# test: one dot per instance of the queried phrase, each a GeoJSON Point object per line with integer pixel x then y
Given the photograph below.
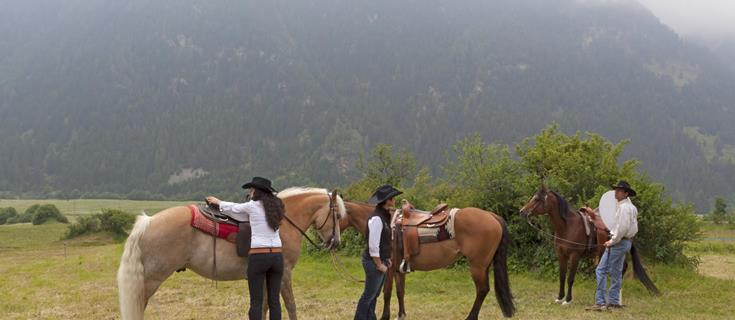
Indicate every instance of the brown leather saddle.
{"type": "Point", "coordinates": [242, 239]}
{"type": "Point", "coordinates": [407, 225]}
{"type": "Point", "coordinates": [598, 236]}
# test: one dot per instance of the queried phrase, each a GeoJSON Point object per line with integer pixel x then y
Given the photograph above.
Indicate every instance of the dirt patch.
{"type": "Point", "coordinates": [718, 266]}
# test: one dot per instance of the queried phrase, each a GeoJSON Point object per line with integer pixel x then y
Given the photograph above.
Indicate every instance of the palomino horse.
{"type": "Point", "coordinates": [159, 245]}
{"type": "Point", "coordinates": [481, 236]}
{"type": "Point", "coordinates": [571, 241]}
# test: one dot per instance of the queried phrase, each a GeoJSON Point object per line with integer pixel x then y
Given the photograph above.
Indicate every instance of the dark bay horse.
{"type": "Point", "coordinates": [571, 240]}
{"type": "Point", "coordinates": [481, 236]}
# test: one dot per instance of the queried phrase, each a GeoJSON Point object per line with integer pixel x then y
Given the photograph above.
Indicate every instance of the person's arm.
{"type": "Point", "coordinates": [375, 225]}
{"type": "Point", "coordinates": [621, 226]}
{"type": "Point", "coordinates": [240, 211]}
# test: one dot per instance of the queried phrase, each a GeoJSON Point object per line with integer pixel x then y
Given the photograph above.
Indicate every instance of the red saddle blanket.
{"type": "Point", "coordinates": [221, 230]}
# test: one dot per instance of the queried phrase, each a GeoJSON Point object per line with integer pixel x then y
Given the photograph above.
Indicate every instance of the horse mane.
{"type": "Point", "coordinates": [563, 206]}
{"type": "Point", "coordinates": [298, 191]}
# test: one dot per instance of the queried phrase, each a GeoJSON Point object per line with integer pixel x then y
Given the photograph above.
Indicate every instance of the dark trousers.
{"type": "Point", "coordinates": [268, 268]}
{"type": "Point", "coordinates": [373, 283]}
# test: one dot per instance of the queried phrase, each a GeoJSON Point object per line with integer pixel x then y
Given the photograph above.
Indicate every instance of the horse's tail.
{"type": "Point", "coordinates": [500, 271]}
{"type": "Point", "coordinates": [640, 272]}
{"type": "Point", "coordinates": [130, 279]}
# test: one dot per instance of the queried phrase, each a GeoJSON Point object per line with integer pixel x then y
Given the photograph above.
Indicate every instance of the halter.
{"type": "Point", "coordinates": [332, 213]}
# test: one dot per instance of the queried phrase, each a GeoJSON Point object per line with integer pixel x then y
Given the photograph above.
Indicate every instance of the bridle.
{"type": "Point", "coordinates": [332, 214]}
{"type": "Point", "coordinates": [543, 232]}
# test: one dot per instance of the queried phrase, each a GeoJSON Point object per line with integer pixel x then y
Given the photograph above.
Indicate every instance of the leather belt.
{"type": "Point", "coordinates": [265, 250]}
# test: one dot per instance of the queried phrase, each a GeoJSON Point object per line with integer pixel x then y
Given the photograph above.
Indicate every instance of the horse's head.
{"type": "Point", "coordinates": [323, 209]}
{"type": "Point", "coordinates": [538, 204]}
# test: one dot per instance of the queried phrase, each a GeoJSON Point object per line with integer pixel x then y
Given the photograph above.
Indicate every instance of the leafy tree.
{"type": "Point", "coordinates": [719, 213]}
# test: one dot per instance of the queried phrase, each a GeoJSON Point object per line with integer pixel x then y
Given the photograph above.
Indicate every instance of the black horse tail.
{"type": "Point", "coordinates": [640, 272]}
{"type": "Point", "coordinates": [500, 270]}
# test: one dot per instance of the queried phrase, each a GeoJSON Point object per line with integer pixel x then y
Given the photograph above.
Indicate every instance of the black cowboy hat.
{"type": "Point", "coordinates": [259, 183]}
{"type": "Point", "coordinates": [625, 186]}
{"type": "Point", "coordinates": [383, 193]}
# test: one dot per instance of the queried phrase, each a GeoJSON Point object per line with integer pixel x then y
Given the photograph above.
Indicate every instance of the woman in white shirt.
{"type": "Point", "coordinates": [265, 259]}
{"type": "Point", "coordinates": [376, 257]}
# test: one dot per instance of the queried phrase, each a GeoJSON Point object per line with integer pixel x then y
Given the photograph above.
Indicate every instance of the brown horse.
{"type": "Point", "coordinates": [571, 240]}
{"type": "Point", "coordinates": [481, 236]}
{"type": "Point", "coordinates": [159, 245]}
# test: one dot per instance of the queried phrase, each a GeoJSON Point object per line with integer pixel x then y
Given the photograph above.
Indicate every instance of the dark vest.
{"type": "Point", "coordinates": [385, 238]}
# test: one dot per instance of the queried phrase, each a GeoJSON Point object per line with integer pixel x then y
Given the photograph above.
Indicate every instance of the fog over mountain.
{"type": "Point", "coordinates": [186, 97]}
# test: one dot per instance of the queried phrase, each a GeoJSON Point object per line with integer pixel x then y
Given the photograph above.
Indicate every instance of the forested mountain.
{"type": "Point", "coordinates": [188, 97]}
{"type": "Point", "coordinates": [723, 46]}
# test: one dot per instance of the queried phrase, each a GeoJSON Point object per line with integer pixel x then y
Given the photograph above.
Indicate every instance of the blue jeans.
{"type": "Point", "coordinates": [373, 283]}
{"type": "Point", "coordinates": [611, 264]}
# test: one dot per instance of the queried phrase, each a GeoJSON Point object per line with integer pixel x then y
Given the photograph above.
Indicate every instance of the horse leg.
{"type": "Point", "coordinates": [287, 294]}
{"type": "Point", "coordinates": [387, 291]}
{"type": "Point", "coordinates": [482, 287]}
{"type": "Point", "coordinates": [400, 291]}
{"type": "Point", "coordinates": [562, 278]}
{"type": "Point", "coordinates": [570, 279]}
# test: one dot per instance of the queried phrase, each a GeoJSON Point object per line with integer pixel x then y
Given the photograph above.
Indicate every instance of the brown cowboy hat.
{"type": "Point", "coordinates": [259, 183]}
{"type": "Point", "coordinates": [624, 185]}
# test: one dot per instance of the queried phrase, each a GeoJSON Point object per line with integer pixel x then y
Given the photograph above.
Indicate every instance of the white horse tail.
{"type": "Point", "coordinates": [130, 275]}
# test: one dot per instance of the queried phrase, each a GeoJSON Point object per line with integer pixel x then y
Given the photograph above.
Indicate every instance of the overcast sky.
{"type": "Point", "coordinates": [695, 17]}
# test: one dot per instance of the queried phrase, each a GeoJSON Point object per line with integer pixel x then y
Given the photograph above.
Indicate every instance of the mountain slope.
{"type": "Point", "coordinates": [124, 96]}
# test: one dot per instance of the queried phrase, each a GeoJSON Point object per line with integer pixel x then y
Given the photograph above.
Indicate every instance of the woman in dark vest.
{"type": "Point", "coordinates": [265, 260]}
{"type": "Point", "coordinates": [376, 257]}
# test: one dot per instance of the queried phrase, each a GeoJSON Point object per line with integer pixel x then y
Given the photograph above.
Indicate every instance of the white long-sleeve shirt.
{"type": "Point", "coordinates": [375, 225]}
{"type": "Point", "coordinates": [626, 216]}
{"type": "Point", "coordinates": [262, 234]}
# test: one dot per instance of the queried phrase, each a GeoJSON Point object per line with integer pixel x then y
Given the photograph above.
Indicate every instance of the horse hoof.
{"type": "Point", "coordinates": [566, 303]}
{"type": "Point", "coordinates": [559, 300]}
{"type": "Point", "coordinates": [402, 317]}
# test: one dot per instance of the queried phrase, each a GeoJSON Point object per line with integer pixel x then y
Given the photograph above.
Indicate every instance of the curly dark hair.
{"type": "Point", "coordinates": [273, 207]}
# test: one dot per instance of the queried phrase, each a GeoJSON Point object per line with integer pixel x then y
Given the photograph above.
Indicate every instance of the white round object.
{"type": "Point", "coordinates": [607, 208]}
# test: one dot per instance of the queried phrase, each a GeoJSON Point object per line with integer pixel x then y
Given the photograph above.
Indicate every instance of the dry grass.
{"type": "Point", "coordinates": [40, 281]}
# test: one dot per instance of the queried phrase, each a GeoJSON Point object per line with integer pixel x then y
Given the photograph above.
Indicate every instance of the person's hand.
{"type": "Point", "coordinates": [212, 200]}
{"type": "Point", "coordinates": [382, 268]}
{"type": "Point", "coordinates": [390, 263]}
{"type": "Point", "coordinates": [608, 244]}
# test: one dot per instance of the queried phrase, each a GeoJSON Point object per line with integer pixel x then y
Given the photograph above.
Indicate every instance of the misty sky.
{"type": "Point", "coordinates": [696, 17]}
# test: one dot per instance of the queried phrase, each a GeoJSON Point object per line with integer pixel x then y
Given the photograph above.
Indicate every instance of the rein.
{"type": "Point", "coordinates": [332, 213]}
{"type": "Point", "coordinates": [343, 271]}
{"type": "Point", "coordinates": [552, 236]}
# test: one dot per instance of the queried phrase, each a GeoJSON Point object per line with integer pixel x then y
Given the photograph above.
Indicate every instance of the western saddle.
{"type": "Point", "coordinates": [407, 225]}
{"type": "Point", "coordinates": [597, 236]}
{"type": "Point", "coordinates": [242, 239]}
{"type": "Point", "coordinates": [211, 212]}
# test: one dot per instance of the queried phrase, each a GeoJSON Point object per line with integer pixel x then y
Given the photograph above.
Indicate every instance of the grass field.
{"type": "Point", "coordinates": [75, 208]}
{"type": "Point", "coordinates": [43, 277]}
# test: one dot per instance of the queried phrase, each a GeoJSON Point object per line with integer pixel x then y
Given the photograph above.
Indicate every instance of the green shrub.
{"type": "Point", "coordinates": [43, 213]}
{"type": "Point", "coordinates": [113, 221]}
{"type": "Point", "coordinates": [493, 177]}
{"type": "Point", "coordinates": [7, 213]}
{"type": "Point", "coordinates": [25, 217]}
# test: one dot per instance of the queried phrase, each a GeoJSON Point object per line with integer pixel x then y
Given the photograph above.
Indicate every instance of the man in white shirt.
{"type": "Point", "coordinates": [613, 260]}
